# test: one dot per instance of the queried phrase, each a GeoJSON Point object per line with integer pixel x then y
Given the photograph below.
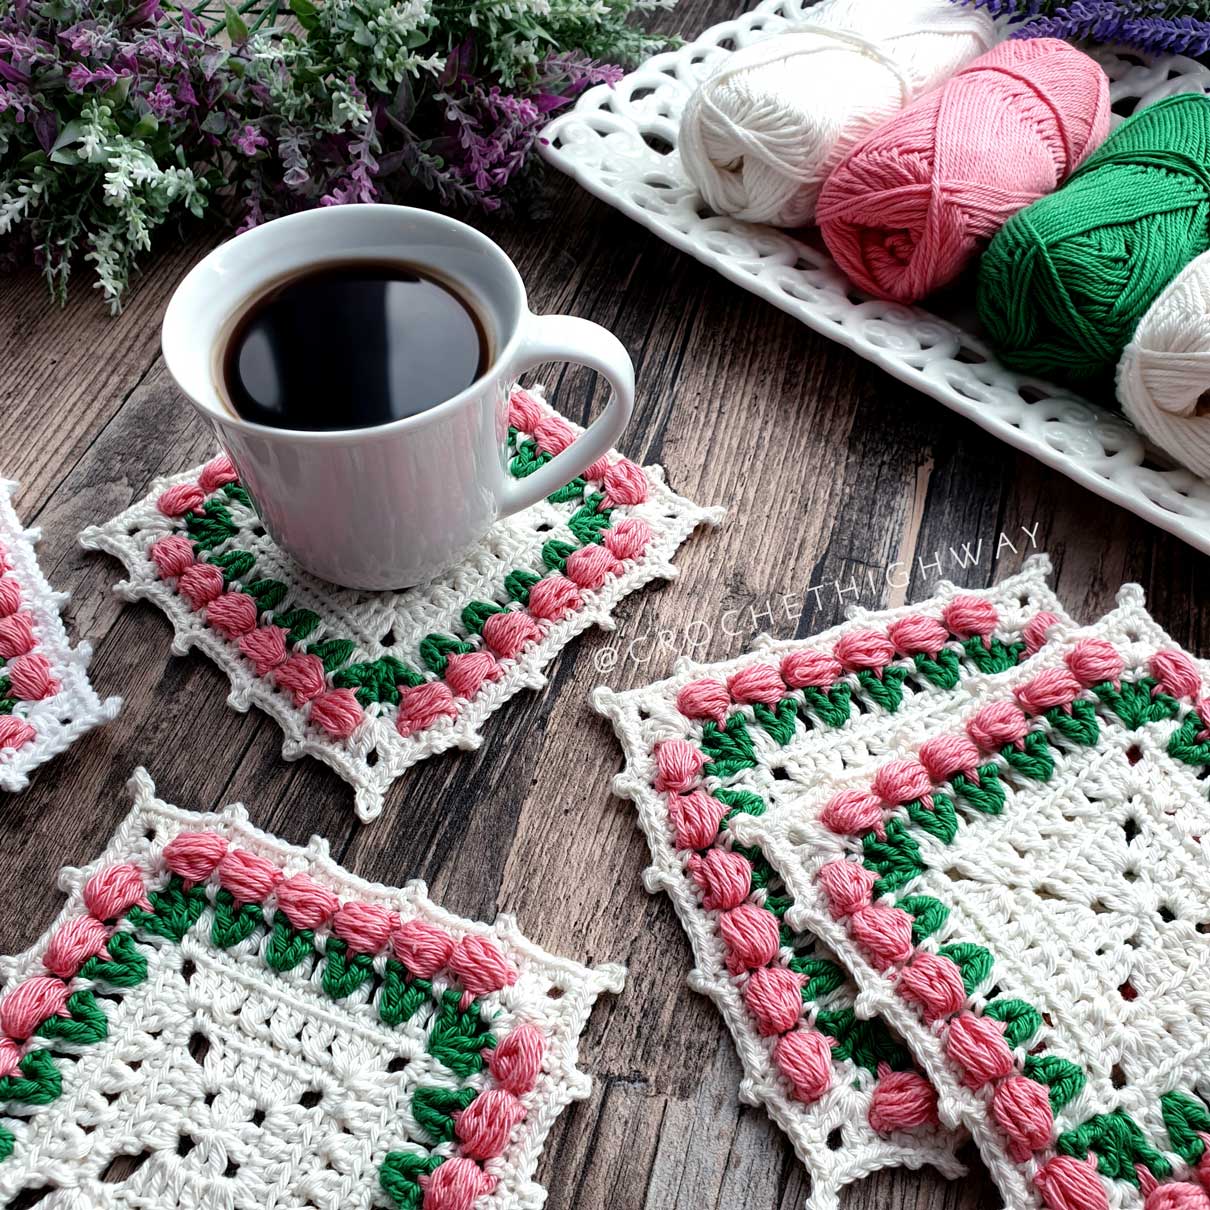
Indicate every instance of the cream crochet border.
{"type": "Point", "coordinates": [62, 718]}
{"type": "Point", "coordinates": [641, 718]}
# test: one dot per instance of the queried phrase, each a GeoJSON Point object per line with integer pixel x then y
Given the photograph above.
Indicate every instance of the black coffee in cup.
{"type": "Point", "coordinates": [351, 345]}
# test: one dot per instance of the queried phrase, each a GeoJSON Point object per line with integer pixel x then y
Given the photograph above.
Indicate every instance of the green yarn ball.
{"type": "Point", "coordinates": [1065, 281]}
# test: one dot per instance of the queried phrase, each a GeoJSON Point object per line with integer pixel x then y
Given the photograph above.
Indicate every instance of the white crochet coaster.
{"type": "Point", "coordinates": [704, 747]}
{"type": "Point", "coordinates": [46, 700]}
{"type": "Point", "coordinates": [1022, 890]}
{"type": "Point", "coordinates": [371, 683]}
{"type": "Point", "coordinates": [258, 1027]}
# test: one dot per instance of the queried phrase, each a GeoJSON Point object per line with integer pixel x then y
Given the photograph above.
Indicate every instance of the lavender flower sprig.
{"type": "Point", "coordinates": [117, 121]}
{"type": "Point", "coordinates": [1179, 27]}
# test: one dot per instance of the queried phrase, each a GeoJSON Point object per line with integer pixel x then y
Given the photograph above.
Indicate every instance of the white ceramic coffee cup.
{"type": "Point", "coordinates": [397, 504]}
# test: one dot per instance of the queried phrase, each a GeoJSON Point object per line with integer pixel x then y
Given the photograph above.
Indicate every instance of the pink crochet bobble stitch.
{"type": "Point", "coordinates": [113, 891]}
{"type": "Point", "coordinates": [902, 1100]}
{"type": "Point", "coordinates": [30, 1003]}
{"type": "Point", "coordinates": [73, 944]}
{"type": "Point", "coordinates": [1177, 1196]}
{"type": "Point", "coordinates": [16, 635]}
{"type": "Point", "coordinates": [455, 1184]}
{"type": "Point", "coordinates": [30, 677]}
{"type": "Point", "coordinates": [195, 855]}
{"type": "Point", "coordinates": [906, 210]}
{"type": "Point", "coordinates": [365, 927]}
{"type": "Point", "coordinates": [15, 732]}
{"type": "Point", "coordinates": [804, 1057]}
{"type": "Point", "coordinates": [1067, 1183]}
{"type": "Point", "coordinates": [485, 1125]}
{"type": "Point", "coordinates": [517, 1060]}
{"type": "Point", "coordinates": [10, 596]}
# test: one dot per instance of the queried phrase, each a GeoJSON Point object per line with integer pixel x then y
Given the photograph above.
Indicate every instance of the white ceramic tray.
{"type": "Point", "coordinates": [620, 143]}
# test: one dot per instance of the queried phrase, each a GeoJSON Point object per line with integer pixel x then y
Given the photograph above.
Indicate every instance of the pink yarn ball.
{"type": "Point", "coordinates": [906, 210]}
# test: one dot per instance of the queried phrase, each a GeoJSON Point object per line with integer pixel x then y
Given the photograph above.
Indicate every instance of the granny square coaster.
{"type": "Point", "coordinates": [1023, 893]}
{"type": "Point", "coordinates": [257, 1028]}
{"type": "Point", "coordinates": [46, 700]}
{"type": "Point", "coordinates": [704, 748]}
{"type": "Point", "coordinates": [371, 683]}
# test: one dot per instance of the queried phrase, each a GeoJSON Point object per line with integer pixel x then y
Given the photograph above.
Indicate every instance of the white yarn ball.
{"type": "Point", "coordinates": [760, 136]}
{"type": "Point", "coordinates": [1165, 369]}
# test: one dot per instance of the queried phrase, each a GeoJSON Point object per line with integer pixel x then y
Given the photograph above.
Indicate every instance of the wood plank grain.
{"type": "Point", "coordinates": [67, 371]}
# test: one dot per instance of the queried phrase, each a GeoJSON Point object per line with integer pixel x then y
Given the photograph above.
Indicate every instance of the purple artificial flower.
{"type": "Point", "coordinates": [16, 99]}
{"type": "Point", "coordinates": [571, 73]}
{"type": "Point", "coordinates": [81, 77]}
{"type": "Point", "coordinates": [253, 204]}
{"type": "Point", "coordinates": [493, 132]}
{"type": "Point", "coordinates": [154, 50]}
{"type": "Point", "coordinates": [25, 48]}
{"type": "Point", "coordinates": [250, 140]}
{"type": "Point", "coordinates": [82, 39]}
{"type": "Point", "coordinates": [240, 117]}
{"type": "Point", "coordinates": [160, 101]}
{"type": "Point", "coordinates": [294, 160]}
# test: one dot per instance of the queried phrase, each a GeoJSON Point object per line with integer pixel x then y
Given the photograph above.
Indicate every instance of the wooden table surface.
{"type": "Point", "coordinates": [832, 473]}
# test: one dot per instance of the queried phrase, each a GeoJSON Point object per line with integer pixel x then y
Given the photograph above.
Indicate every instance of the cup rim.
{"type": "Point", "coordinates": [174, 326]}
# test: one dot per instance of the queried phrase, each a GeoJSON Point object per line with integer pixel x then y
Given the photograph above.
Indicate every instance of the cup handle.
{"type": "Point", "coordinates": [568, 338]}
